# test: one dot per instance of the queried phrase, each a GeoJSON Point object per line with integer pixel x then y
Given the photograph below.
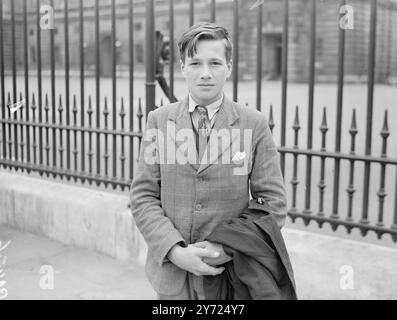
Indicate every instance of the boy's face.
{"type": "Point", "coordinates": [206, 72]}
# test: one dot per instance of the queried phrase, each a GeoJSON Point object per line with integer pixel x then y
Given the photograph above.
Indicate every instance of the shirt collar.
{"type": "Point", "coordinates": [212, 108]}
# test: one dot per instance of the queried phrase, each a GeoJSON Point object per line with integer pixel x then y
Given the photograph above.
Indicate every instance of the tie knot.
{"type": "Point", "coordinates": [202, 110]}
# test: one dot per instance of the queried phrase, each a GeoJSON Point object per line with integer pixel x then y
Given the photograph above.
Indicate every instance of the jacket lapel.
{"type": "Point", "coordinates": [179, 128]}
{"type": "Point", "coordinates": [222, 136]}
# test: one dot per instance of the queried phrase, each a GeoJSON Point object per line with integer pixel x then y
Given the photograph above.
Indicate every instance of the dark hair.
{"type": "Point", "coordinates": [203, 31]}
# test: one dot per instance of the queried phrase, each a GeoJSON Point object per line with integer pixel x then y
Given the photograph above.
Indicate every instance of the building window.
{"type": "Point", "coordinates": [138, 26]}
{"type": "Point", "coordinates": [58, 55]}
{"type": "Point", "coordinates": [33, 54]}
{"type": "Point", "coordinates": [139, 53]}
{"type": "Point", "coordinates": [319, 47]}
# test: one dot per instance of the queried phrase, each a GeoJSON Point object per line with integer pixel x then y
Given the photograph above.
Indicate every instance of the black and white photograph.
{"type": "Point", "coordinates": [198, 150]}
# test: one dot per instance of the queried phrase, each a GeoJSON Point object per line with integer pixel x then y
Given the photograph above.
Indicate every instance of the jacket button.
{"type": "Point", "coordinates": [198, 207]}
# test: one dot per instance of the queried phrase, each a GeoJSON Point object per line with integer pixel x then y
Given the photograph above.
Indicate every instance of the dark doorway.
{"type": "Point", "coordinates": [272, 53]}
{"type": "Point", "coordinates": [106, 56]}
{"type": "Point", "coordinates": [277, 60]}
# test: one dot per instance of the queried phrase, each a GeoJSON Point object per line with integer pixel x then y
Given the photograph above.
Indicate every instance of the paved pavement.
{"type": "Point", "coordinates": [325, 267]}
{"type": "Point", "coordinates": [78, 273]}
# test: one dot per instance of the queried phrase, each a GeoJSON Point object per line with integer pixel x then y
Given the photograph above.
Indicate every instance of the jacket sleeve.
{"type": "Point", "coordinates": [266, 180]}
{"type": "Point", "coordinates": [156, 228]}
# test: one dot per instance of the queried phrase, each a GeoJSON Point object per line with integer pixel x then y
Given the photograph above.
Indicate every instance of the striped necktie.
{"type": "Point", "coordinates": [203, 128]}
{"type": "Point", "coordinates": [204, 124]}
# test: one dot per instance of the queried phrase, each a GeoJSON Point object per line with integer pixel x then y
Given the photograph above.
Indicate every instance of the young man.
{"type": "Point", "coordinates": [178, 200]}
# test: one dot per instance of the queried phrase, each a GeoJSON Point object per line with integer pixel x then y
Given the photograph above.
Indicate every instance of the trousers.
{"type": "Point", "coordinates": [192, 290]}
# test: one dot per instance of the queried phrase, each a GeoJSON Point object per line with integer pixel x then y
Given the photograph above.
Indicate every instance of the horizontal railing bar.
{"type": "Point", "coordinates": [334, 155]}
{"type": "Point", "coordinates": [65, 173]}
{"type": "Point", "coordinates": [327, 154]}
{"type": "Point", "coordinates": [74, 128]}
{"type": "Point", "coordinates": [345, 223]}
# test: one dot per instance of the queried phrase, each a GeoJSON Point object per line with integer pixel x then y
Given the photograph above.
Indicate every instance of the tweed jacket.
{"type": "Point", "coordinates": [176, 198]}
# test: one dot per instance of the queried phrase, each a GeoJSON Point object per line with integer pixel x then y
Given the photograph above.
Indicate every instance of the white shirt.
{"type": "Point", "coordinates": [212, 108]}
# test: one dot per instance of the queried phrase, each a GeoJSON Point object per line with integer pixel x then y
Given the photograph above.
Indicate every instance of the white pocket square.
{"type": "Point", "coordinates": [239, 157]}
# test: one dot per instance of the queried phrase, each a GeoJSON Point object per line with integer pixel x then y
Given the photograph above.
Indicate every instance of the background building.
{"type": "Point", "coordinates": [356, 43]}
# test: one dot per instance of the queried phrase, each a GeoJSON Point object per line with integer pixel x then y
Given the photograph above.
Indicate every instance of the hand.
{"type": "Point", "coordinates": [191, 259]}
{"type": "Point", "coordinates": [216, 247]}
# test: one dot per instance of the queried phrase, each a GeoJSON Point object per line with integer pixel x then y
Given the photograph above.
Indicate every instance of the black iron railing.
{"type": "Point", "coordinates": [70, 134]}
{"type": "Point", "coordinates": [61, 135]}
